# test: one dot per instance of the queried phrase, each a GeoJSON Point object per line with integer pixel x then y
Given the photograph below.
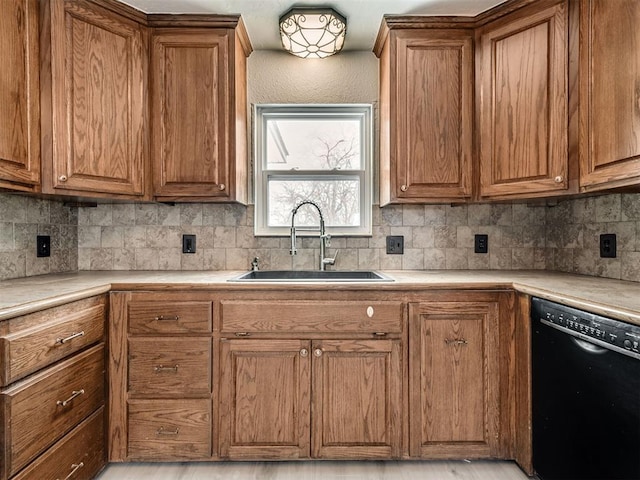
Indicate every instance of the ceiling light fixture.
{"type": "Point", "coordinates": [312, 32]}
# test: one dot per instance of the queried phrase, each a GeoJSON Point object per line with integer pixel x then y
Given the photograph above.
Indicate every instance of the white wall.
{"type": "Point", "coordinates": [279, 77]}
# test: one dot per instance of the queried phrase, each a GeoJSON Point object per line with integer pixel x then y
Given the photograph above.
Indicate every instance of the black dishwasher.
{"type": "Point", "coordinates": [585, 395]}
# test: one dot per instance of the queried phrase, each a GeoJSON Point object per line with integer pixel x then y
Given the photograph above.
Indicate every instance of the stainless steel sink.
{"type": "Point", "coordinates": [312, 276]}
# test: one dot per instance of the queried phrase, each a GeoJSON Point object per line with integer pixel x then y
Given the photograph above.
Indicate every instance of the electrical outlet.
{"type": "Point", "coordinates": [43, 246]}
{"type": "Point", "coordinates": [395, 245]}
{"type": "Point", "coordinates": [608, 245]}
{"type": "Point", "coordinates": [481, 243]}
{"type": "Point", "coordinates": [188, 244]}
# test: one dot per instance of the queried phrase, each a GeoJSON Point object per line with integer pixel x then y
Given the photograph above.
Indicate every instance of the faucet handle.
{"type": "Point", "coordinates": [329, 260]}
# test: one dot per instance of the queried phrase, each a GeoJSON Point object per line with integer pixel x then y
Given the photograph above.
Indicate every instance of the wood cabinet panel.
{"type": "Point", "coordinates": [189, 108]}
{"type": "Point", "coordinates": [25, 351]}
{"type": "Point", "coordinates": [522, 72]}
{"type": "Point", "coordinates": [609, 94]}
{"type": "Point", "coordinates": [357, 399]}
{"type": "Point", "coordinates": [95, 140]}
{"type": "Point", "coordinates": [265, 395]}
{"type": "Point", "coordinates": [48, 404]}
{"type": "Point", "coordinates": [454, 374]}
{"type": "Point", "coordinates": [19, 95]}
{"type": "Point", "coordinates": [310, 316]}
{"type": "Point", "coordinates": [169, 317]}
{"type": "Point", "coordinates": [426, 116]}
{"type": "Point", "coordinates": [198, 109]}
{"type": "Point", "coordinates": [79, 456]}
{"type": "Point", "coordinates": [169, 366]}
{"type": "Point", "coordinates": [171, 429]}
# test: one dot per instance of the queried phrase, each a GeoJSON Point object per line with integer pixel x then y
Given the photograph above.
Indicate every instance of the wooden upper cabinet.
{"type": "Point", "coordinates": [522, 85]}
{"type": "Point", "coordinates": [94, 87]}
{"type": "Point", "coordinates": [199, 112]}
{"type": "Point", "coordinates": [453, 379]}
{"type": "Point", "coordinates": [426, 114]}
{"type": "Point", "coordinates": [609, 93]}
{"type": "Point", "coordinates": [19, 95]}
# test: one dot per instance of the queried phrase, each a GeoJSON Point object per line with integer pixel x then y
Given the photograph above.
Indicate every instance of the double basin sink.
{"type": "Point", "coordinates": [312, 276]}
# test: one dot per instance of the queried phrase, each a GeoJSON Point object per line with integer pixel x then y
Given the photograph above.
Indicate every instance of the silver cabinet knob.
{"type": "Point", "coordinates": [62, 178]}
{"type": "Point", "coordinates": [304, 352]}
{"type": "Point", "coordinates": [222, 186]}
{"type": "Point", "coordinates": [317, 352]}
{"type": "Point", "coordinates": [558, 179]}
{"type": "Point", "coordinates": [404, 188]}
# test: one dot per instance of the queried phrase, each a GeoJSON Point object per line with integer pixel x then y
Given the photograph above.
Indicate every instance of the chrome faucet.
{"type": "Point", "coordinates": [325, 238]}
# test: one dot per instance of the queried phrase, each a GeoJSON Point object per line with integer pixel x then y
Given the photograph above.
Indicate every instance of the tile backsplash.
{"type": "Point", "coordinates": [22, 218]}
{"type": "Point", "coordinates": [562, 235]}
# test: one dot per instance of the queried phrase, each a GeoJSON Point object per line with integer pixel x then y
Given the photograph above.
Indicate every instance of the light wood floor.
{"type": "Point", "coordinates": [406, 470]}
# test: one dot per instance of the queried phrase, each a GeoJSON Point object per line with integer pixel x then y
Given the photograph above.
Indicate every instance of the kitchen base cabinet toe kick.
{"type": "Point", "coordinates": [312, 374]}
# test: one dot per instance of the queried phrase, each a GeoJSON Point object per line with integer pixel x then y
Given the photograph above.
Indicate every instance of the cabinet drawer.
{"type": "Point", "coordinates": [170, 366]}
{"type": "Point", "coordinates": [169, 317]}
{"type": "Point", "coordinates": [81, 451]}
{"type": "Point", "coordinates": [42, 408]}
{"type": "Point", "coordinates": [311, 316]}
{"type": "Point", "coordinates": [169, 429]}
{"type": "Point", "coordinates": [35, 341]}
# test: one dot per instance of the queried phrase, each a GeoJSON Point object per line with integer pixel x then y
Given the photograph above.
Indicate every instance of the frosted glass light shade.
{"type": "Point", "coordinates": [312, 32]}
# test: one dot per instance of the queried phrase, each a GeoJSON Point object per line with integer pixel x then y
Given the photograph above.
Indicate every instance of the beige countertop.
{"type": "Point", "coordinates": [614, 298]}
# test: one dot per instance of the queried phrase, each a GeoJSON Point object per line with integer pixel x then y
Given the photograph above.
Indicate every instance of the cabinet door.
{"type": "Point", "coordinates": [453, 379]}
{"type": "Point", "coordinates": [357, 398]}
{"type": "Point", "coordinates": [190, 109]}
{"type": "Point", "coordinates": [522, 75]}
{"type": "Point", "coordinates": [609, 93]}
{"type": "Point", "coordinates": [264, 394]}
{"type": "Point", "coordinates": [431, 96]}
{"type": "Point", "coordinates": [98, 98]}
{"type": "Point", "coordinates": [19, 95]}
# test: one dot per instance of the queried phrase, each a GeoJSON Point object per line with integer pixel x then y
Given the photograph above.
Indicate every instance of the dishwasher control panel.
{"type": "Point", "coordinates": [605, 331]}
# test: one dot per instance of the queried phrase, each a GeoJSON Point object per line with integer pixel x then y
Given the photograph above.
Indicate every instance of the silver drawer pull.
{"type": "Point", "coordinates": [62, 341]}
{"type": "Point", "coordinates": [174, 318]}
{"type": "Point", "coordinates": [456, 341]}
{"type": "Point", "coordinates": [380, 334]}
{"type": "Point", "coordinates": [74, 394]}
{"type": "Point", "coordinates": [74, 468]}
{"type": "Point", "coordinates": [162, 368]}
{"type": "Point", "coordinates": [242, 334]}
{"type": "Point", "coordinates": [162, 431]}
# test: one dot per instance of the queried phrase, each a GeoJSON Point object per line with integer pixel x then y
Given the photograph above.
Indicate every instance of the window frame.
{"type": "Point", "coordinates": [262, 175]}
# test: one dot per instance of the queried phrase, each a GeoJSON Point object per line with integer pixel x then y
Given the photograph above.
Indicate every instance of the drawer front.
{"type": "Point", "coordinates": [80, 455]}
{"type": "Point", "coordinates": [49, 404]}
{"type": "Point", "coordinates": [31, 349]}
{"type": "Point", "coordinates": [169, 317]}
{"type": "Point", "coordinates": [169, 429]}
{"type": "Point", "coordinates": [310, 316]}
{"type": "Point", "coordinates": [172, 366]}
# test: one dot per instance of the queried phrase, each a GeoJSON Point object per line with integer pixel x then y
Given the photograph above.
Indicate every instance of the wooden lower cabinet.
{"type": "Point", "coordinates": [265, 399]}
{"type": "Point", "coordinates": [171, 429]}
{"type": "Point", "coordinates": [78, 456]}
{"type": "Point", "coordinates": [453, 379]}
{"type": "Point", "coordinates": [52, 392]}
{"type": "Point", "coordinates": [314, 374]}
{"type": "Point", "coordinates": [356, 399]}
{"type": "Point", "coordinates": [160, 382]}
{"type": "Point", "coordinates": [302, 398]}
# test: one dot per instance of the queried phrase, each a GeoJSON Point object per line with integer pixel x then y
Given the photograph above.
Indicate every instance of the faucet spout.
{"type": "Point", "coordinates": [324, 237]}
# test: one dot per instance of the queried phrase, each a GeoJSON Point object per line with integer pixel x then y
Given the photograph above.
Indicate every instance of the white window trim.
{"type": "Point", "coordinates": [262, 176]}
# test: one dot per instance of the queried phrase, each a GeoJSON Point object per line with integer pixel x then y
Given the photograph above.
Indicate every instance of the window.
{"type": "Point", "coordinates": [320, 153]}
